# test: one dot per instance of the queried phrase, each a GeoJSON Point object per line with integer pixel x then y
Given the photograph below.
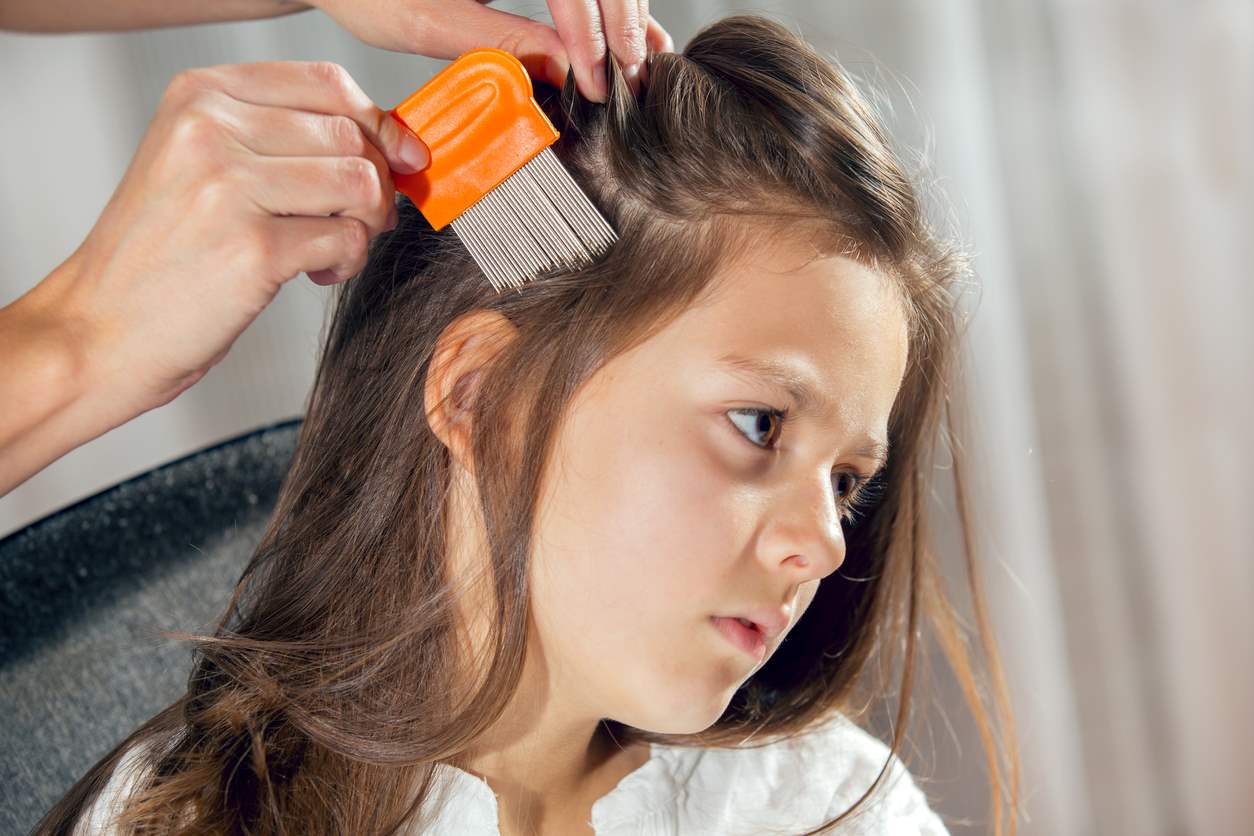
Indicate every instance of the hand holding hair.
{"type": "Point", "coordinates": [585, 31]}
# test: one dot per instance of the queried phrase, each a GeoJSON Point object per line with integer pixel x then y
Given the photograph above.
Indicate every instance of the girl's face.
{"type": "Point", "coordinates": [676, 495]}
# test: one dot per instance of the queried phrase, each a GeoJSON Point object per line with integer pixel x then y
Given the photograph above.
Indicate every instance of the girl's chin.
{"type": "Point", "coordinates": [689, 712]}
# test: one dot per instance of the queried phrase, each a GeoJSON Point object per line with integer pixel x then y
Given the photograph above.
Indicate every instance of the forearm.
{"type": "Point", "coordinates": [46, 406]}
{"type": "Point", "coordinates": [95, 16]}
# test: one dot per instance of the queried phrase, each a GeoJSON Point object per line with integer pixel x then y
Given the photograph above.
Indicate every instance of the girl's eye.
{"type": "Point", "coordinates": [850, 483]}
{"type": "Point", "coordinates": [853, 490]}
{"type": "Point", "coordinates": [754, 422]}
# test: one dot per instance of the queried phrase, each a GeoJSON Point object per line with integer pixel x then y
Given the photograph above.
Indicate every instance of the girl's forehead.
{"type": "Point", "coordinates": [837, 322]}
{"type": "Point", "coordinates": [775, 294]}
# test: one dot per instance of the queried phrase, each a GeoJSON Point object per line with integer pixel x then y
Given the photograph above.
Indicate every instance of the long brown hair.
{"type": "Point", "coordinates": [330, 686]}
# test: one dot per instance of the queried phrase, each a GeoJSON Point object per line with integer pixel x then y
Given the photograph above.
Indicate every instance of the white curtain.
{"type": "Point", "coordinates": [1097, 158]}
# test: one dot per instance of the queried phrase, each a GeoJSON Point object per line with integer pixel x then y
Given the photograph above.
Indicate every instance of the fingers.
{"type": "Point", "coordinates": [589, 28]}
{"type": "Point", "coordinates": [327, 249]}
{"type": "Point", "coordinates": [281, 132]}
{"type": "Point", "coordinates": [579, 24]}
{"type": "Point", "coordinates": [624, 22]}
{"type": "Point", "coordinates": [293, 162]}
{"type": "Point", "coordinates": [318, 87]}
{"type": "Point", "coordinates": [346, 186]}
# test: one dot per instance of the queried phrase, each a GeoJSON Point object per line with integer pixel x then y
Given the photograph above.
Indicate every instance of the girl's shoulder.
{"type": "Point", "coordinates": [854, 758]}
{"type": "Point", "coordinates": [796, 782]}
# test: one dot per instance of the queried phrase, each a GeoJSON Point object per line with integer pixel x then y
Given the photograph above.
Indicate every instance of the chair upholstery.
{"type": "Point", "coordinates": [85, 591]}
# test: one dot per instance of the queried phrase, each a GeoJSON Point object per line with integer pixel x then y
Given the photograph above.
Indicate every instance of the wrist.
{"type": "Point", "coordinates": [44, 366]}
{"type": "Point", "coordinates": [54, 339]}
{"type": "Point", "coordinates": [69, 357]}
{"type": "Point", "coordinates": [43, 386]}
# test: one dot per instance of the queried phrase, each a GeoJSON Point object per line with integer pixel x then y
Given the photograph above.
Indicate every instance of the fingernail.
{"type": "Point", "coordinates": [599, 82]}
{"type": "Point", "coordinates": [413, 152]}
{"type": "Point", "coordinates": [632, 75]}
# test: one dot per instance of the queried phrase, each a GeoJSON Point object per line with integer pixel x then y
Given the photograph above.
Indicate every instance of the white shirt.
{"type": "Point", "coordinates": [786, 787]}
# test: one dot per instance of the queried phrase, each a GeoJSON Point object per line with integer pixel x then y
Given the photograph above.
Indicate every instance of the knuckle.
{"type": "Point", "coordinates": [628, 41]}
{"type": "Point", "coordinates": [332, 76]}
{"type": "Point", "coordinates": [418, 23]}
{"type": "Point", "coordinates": [597, 42]}
{"type": "Point", "coordinates": [361, 179]}
{"type": "Point", "coordinates": [513, 40]}
{"type": "Point", "coordinates": [213, 196]}
{"type": "Point", "coordinates": [184, 84]}
{"type": "Point", "coordinates": [346, 136]}
{"type": "Point", "coordinates": [632, 53]}
{"type": "Point", "coordinates": [354, 239]}
{"type": "Point", "coordinates": [196, 129]}
{"type": "Point", "coordinates": [424, 26]}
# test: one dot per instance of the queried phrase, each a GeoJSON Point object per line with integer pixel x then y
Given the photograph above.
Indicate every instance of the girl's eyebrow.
{"type": "Point", "coordinates": [800, 386]}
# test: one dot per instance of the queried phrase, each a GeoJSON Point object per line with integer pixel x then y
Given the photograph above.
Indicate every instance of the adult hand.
{"type": "Point", "coordinates": [584, 30]}
{"type": "Point", "coordinates": [248, 175]}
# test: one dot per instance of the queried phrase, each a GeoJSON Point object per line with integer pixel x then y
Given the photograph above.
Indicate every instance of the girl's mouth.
{"type": "Point", "coordinates": [743, 634]}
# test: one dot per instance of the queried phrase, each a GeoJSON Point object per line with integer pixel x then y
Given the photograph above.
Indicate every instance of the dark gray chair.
{"type": "Point", "coordinates": [84, 592]}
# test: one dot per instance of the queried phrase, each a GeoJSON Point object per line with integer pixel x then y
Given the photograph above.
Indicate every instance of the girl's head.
{"type": "Point", "coordinates": [733, 413]}
{"type": "Point", "coordinates": [675, 489]}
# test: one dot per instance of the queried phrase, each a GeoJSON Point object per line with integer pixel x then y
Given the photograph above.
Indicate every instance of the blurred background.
{"type": "Point", "coordinates": [1097, 159]}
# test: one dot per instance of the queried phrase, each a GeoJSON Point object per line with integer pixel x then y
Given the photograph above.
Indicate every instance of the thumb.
{"type": "Point", "coordinates": [398, 142]}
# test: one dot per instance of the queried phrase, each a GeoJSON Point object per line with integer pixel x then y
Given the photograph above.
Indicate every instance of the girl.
{"type": "Point", "coordinates": [617, 552]}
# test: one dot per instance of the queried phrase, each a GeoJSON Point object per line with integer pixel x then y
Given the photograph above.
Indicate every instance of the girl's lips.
{"type": "Point", "coordinates": [747, 639]}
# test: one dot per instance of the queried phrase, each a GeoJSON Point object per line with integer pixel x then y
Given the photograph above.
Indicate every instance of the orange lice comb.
{"type": "Point", "coordinates": [492, 174]}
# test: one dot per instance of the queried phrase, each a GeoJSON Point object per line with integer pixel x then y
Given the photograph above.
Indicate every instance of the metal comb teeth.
{"type": "Point", "coordinates": [536, 220]}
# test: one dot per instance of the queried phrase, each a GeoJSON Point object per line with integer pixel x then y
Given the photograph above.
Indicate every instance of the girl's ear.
{"type": "Point", "coordinates": [461, 353]}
